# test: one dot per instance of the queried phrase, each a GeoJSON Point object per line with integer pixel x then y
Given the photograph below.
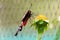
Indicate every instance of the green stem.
{"type": "Point", "coordinates": [39, 36]}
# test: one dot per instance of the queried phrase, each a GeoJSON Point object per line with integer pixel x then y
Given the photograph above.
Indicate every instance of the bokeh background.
{"type": "Point", "coordinates": [12, 11]}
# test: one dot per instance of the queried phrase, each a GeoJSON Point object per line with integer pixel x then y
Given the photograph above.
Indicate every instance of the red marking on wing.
{"type": "Point", "coordinates": [25, 22]}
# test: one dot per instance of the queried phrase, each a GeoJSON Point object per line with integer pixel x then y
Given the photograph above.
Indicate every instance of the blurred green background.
{"type": "Point", "coordinates": [12, 11]}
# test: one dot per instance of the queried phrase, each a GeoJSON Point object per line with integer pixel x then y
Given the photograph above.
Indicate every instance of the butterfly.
{"type": "Point", "coordinates": [24, 21]}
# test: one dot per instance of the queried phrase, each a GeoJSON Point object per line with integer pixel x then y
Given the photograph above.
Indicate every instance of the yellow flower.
{"type": "Point", "coordinates": [41, 17]}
